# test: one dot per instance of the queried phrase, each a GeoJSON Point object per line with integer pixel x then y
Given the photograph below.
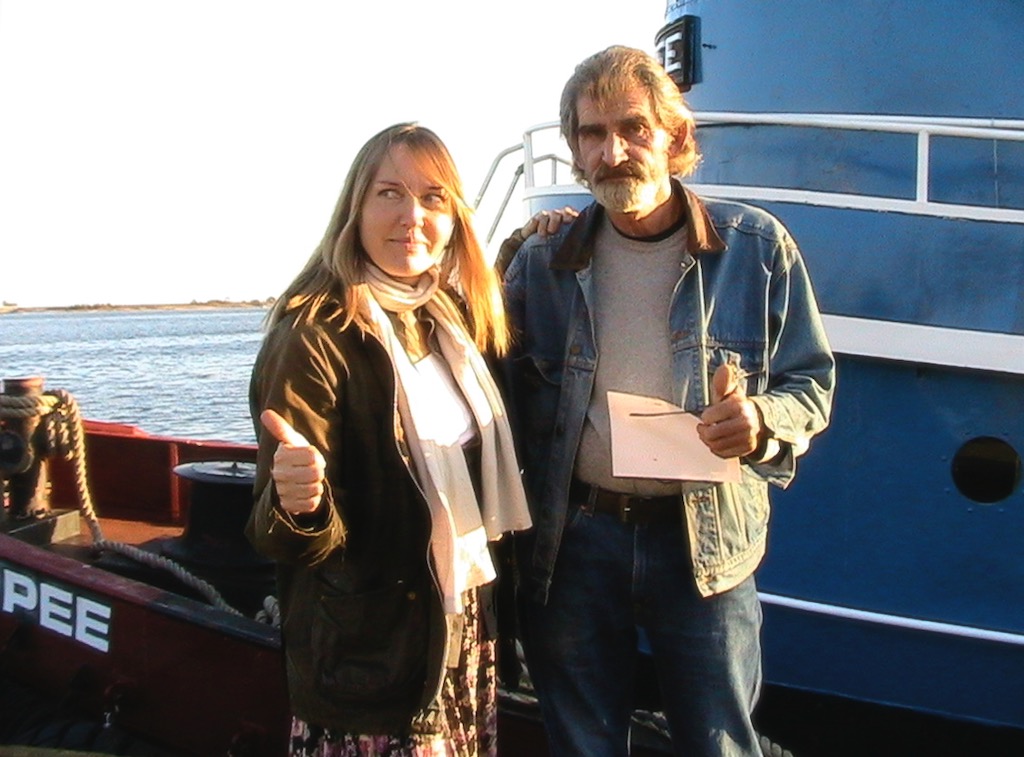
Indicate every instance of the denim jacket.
{"type": "Point", "coordinates": [743, 297]}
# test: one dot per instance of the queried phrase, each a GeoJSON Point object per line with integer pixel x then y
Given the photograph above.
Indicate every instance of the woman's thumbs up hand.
{"type": "Point", "coordinates": [299, 468]}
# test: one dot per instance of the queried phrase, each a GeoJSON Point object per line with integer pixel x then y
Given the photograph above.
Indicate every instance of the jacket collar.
{"type": "Point", "coordinates": [577, 248]}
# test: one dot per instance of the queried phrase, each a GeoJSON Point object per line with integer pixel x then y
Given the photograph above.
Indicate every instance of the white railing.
{"type": "Point", "coordinates": [924, 128]}
{"type": "Point", "coordinates": [557, 160]}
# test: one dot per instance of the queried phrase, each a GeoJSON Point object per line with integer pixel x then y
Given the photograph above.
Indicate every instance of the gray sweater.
{"type": "Point", "coordinates": [633, 285]}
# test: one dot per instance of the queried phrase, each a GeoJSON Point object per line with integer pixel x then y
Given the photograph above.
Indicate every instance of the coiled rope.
{"type": "Point", "coordinates": [64, 437]}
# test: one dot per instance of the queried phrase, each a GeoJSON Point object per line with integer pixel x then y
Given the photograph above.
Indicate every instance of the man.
{"type": "Point", "coordinates": [705, 304]}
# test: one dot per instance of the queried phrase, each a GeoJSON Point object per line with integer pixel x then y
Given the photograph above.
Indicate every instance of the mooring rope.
{"type": "Point", "coordinates": [271, 612]}
{"type": "Point", "coordinates": [65, 438]}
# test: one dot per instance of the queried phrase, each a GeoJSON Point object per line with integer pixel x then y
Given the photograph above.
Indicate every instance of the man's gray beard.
{"type": "Point", "coordinates": [625, 195]}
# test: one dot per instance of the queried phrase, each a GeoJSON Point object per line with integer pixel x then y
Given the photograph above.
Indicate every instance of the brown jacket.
{"type": "Point", "coordinates": [364, 634]}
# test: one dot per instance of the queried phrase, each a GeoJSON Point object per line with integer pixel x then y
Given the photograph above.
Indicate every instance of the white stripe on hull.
{"type": "Point", "coordinates": [896, 621]}
{"type": "Point", "coordinates": [932, 345]}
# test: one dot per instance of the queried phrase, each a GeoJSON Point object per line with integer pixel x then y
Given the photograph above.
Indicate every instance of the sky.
{"type": "Point", "coordinates": [156, 152]}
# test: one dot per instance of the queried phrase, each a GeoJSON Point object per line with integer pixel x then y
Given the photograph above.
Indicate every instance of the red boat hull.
{"type": "Point", "coordinates": [173, 670]}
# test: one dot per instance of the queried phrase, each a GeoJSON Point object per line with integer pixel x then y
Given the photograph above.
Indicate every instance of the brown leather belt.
{"type": "Point", "coordinates": [627, 508]}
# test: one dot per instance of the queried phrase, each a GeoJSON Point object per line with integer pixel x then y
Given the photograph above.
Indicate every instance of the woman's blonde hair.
{"type": "Point", "coordinates": [612, 72]}
{"type": "Point", "coordinates": [333, 275]}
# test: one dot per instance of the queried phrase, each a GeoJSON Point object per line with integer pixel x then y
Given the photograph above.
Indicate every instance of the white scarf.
{"type": "Point", "coordinates": [459, 534]}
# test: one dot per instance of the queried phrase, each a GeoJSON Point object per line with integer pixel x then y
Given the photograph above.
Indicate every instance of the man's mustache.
{"type": "Point", "coordinates": [622, 171]}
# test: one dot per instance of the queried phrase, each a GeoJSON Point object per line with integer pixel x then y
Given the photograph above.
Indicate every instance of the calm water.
{"type": "Point", "coordinates": [174, 372]}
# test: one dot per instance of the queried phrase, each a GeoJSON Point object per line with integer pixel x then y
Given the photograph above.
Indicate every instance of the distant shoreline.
{"type": "Point", "coordinates": [207, 305]}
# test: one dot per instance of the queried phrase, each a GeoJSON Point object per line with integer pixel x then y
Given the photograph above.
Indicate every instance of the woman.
{"type": "Point", "coordinates": [386, 465]}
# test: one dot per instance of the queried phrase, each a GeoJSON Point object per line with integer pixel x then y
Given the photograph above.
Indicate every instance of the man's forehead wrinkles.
{"type": "Point", "coordinates": [590, 112]}
{"type": "Point", "coordinates": [617, 120]}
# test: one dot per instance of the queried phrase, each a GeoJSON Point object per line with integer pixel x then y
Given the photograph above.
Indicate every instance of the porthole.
{"type": "Point", "coordinates": [986, 469]}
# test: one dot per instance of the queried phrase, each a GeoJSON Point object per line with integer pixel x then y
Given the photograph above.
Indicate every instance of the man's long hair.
{"type": "Point", "coordinates": [610, 74]}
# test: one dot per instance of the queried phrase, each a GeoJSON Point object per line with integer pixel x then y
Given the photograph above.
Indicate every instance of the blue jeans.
{"type": "Point", "coordinates": [581, 647]}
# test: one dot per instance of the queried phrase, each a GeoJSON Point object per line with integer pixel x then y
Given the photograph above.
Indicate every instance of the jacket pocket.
{"type": "Point", "coordinates": [370, 647]}
{"type": "Point", "coordinates": [537, 387]}
{"type": "Point", "coordinates": [538, 382]}
{"type": "Point", "coordinates": [746, 357]}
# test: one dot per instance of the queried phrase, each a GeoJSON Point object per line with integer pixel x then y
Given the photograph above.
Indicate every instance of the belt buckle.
{"type": "Point", "coordinates": [626, 509]}
{"type": "Point", "coordinates": [589, 506]}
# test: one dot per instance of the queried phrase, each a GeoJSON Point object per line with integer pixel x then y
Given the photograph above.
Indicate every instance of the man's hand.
{"type": "Point", "coordinates": [299, 467]}
{"type": "Point", "coordinates": [731, 425]}
{"type": "Point", "coordinates": [547, 222]}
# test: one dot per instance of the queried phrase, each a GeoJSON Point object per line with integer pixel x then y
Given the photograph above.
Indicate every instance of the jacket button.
{"type": "Point", "coordinates": [411, 596]}
{"type": "Point", "coordinates": [575, 349]}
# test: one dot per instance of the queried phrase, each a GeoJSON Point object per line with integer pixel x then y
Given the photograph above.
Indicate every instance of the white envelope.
{"type": "Point", "coordinates": [652, 438]}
